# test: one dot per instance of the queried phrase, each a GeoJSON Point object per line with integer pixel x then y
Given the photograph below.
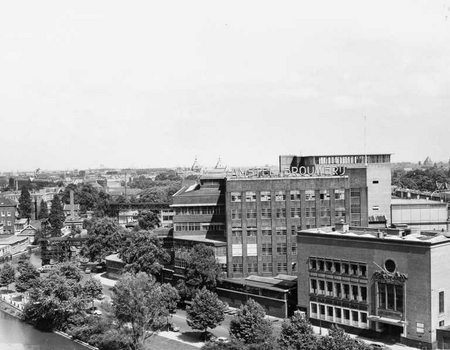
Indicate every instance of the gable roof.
{"type": "Point", "coordinates": [6, 202]}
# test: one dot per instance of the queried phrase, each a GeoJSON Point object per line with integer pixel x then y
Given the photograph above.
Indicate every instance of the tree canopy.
{"type": "Point", "coordinates": [43, 210]}
{"type": "Point", "coordinates": [7, 275]}
{"type": "Point", "coordinates": [142, 251]}
{"type": "Point", "coordinates": [105, 237]}
{"type": "Point", "coordinates": [297, 333]}
{"type": "Point", "coordinates": [56, 217]}
{"type": "Point", "coordinates": [206, 311]}
{"type": "Point", "coordinates": [148, 220]}
{"type": "Point", "coordinates": [137, 302]}
{"type": "Point", "coordinates": [250, 326]}
{"type": "Point", "coordinates": [28, 275]}
{"type": "Point", "coordinates": [25, 203]}
{"type": "Point", "coordinates": [202, 269]}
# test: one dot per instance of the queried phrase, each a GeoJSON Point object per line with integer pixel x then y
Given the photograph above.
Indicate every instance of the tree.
{"type": "Point", "coordinates": [43, 210]}
{"type": "Point", "coordinates": [206, 311]}
{"type": "Point", "coordinates": [105, 237]}
{"type": "Point", "coordinates": [25, 203]}
{"type": "Point", "coordinates": [202, 269]}
{"type": "Point", "coordinates": [169, 298]}
{"type": "Point", "coordinates": [7, 275]}
{"type": "Point", "coordinates": [297, 333]}
{"type": "Point", "coordinates": [92, 289]}
{"type": "Point", "coordinates": [53, 302]}
{"type": "Point", "coordinates": [56, 217]}
{"type": "Point", "coordinates": [142, 251]}
{"type": "Point", "coordinates": [250, 326]}
{"type": "Point", "coordinates": [28, 276]}
{"type": "Point", "coordinates": [137, 302]}
{"type": "Point", "coordinates": [337, 339]}
{"type": "Point", "coordinates": [148, 220]}
{"type": "Point", "coordinates": [68, 271]}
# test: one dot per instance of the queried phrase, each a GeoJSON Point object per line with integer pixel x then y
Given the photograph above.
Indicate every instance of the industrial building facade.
{"type": "Point", "coordinates": [251, 216]}
{"type": "Point", "coordinates": [380, 283]}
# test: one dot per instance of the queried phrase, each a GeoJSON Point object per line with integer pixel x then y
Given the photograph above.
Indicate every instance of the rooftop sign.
{"type": "Point", "coordinates": [302, 171]}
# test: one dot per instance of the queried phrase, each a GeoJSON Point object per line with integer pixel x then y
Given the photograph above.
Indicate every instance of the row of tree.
{"type": "Point", "coordinates": [421, 179]}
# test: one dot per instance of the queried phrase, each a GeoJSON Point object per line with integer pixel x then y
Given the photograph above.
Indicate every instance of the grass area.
{"type": "Point", "coordinates": [161, 343]}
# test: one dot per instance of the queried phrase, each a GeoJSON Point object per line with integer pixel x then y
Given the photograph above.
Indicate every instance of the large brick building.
{"type": "Point", "coordinates": [251, 216]}
{"type": "Point", "coordinates": [7, 214]}
{"type": "Point", "coordinates": [385, 283]}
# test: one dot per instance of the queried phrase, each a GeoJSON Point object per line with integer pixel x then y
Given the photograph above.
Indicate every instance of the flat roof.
{"type": "Point", "coordinates": [12, 239]}
{"type": "Point", "coordinates": [200, 238]}
{"type": "Point", "coordinates": [426, 237]}
{"type": "Point", "coordinates": [396, 201]}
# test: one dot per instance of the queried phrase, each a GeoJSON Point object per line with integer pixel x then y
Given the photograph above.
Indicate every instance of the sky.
{"type": "Point", "coordinates": [85, 84]}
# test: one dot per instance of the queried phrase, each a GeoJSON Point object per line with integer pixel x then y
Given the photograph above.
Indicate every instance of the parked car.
{"type": "Point", "coordinates": [173, 328]}
{"type": "Point", "coordinates": [377, 346]}
{"type": "Point", "coordinates": [222, 340]}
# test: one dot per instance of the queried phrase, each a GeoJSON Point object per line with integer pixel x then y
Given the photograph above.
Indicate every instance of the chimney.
{"type": "Point", "coordinates": [72, 205]}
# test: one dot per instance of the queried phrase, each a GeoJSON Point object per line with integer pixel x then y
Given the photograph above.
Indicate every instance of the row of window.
{"type": "Point", "coordinates": [265, 231]}
{"type": "Point", "coordinates": [338, 266]}
{"type": "Point", "coordinates": [266, 213]}
{"type": "Point", "coordinates": [266, 249]}
{"type": "Point", "coordinates": [199, 210]}
{"type": "Point", "coordinates": [197, 226]}
{"type": "Point", "coordinates": [339, 315]}
{"type": "Point", "coordinates": [282, 267]}
{"type": "Point", "coordinates": [281, 248]}
{"type": "Point", "coordinates": [7, 223]}
{"type": "Point", "coordinates": [280, 196]}
{"type": "Point", "coordinates": [348, 291]}
{"type": "Point", "coordinates": [7, 213]}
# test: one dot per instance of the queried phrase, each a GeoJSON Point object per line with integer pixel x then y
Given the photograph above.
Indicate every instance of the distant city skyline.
{"type": "Point", "coordinates": [155, 84]}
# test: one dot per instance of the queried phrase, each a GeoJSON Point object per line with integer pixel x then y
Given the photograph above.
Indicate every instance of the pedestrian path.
{"type": "Point", "coordinates": [180, 337]}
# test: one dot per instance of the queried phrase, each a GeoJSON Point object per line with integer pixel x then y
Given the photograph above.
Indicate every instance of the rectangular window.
{"type": "Point", "coordinates": [376, 207]}
{"type": "Point", "coordinates": [310, 212]}
{"type": "Point", "coordinates": [355, 293]}
{"type": "Point", "coordinates": [321, 287]}
{"type": "Point", "coordinates": [266, 213]}
{"type": "Point", "coordinates": [293, 230]}
{"type": "Point", "coordinates": [8, 223]}
{"type": "Point", "coordinates": [281, 231]}
{"type": "Point", "coordinates": [441, 303]}
{"type": "Point", "coordinates": [325, 212]}
{"type": "Point", "coordinates": [346, 314]}
{"type": "Point", "coordinates": [324, 195]}
{"type": "Point", "coordinates": [339, 194]}
{"type": "Point", "coordinates": [237, 268]}
{"type": "Point", "coordinates": [313, 286]}
{"type": "Point", "coordinates": [280, 196]}
{"type": "Point", "coordinates": [265, 196]}
{"type": "Point", "coordinates": [267, 249]}
{"type": "Point", "coordinates": [8, 213]}
{"type": "Point", "coordinates": [236, 249]}
{"type": "Point", "coordinates": [281, 212]}
{"type": "Point", "coordinates": [282, 267]}
{"type": "Point", "coordinates": [294, 248]}
{"type": "Point", "coordinates": [338, 290]}
{"type": "Point", "coordinates": [251, 213]}
{"type": "Point", "coordinates": [312, 263]}
{"type": "Point", "coordinates": [266, 231]}
{"type": "Point", "coordinates": [252, 267]}
{"type": "Point", "coordinates": [267, 267]}
{"type": "Point", "coordinates": [330, 289]}
{"type": "Point", "coordinates": [295, 212]}
{"type": "Point", "coordinates": [295, 195]}
{"type": "Point", "coordinates": [251, 231]}
{"type": "Point", "coordinates": [236, 214]}
{"type": "Point", "coordinates": [236, 197]}
{"type": "Point", "coordinates": [310, 195]}
{"type": "Point", "coordinates": [281, 248]}
{"type": "Point", "coordinates": [346, 290]}
{"type": "Point", "coordinates": [3, 213]}
{"type": "Point", "coordinates": [363, 293]}
{"type": "Point", "coordinates": [337, 267]}
{"type": "Point", "coordinates": [375, 182]}
{"type": "Point", "coordinates": [250, 196]}
{"type": "Point", "coordinates": [236, 231]}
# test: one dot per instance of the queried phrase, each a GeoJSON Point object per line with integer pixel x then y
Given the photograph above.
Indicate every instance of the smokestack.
{"type": "Point", "coordinates": [72, 205]}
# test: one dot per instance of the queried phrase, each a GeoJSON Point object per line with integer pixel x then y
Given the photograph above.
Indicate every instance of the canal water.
{"type": "Point", "coordinates": [17, 335]}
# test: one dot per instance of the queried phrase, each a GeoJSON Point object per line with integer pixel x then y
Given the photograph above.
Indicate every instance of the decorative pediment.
{"type": "Point", "coordinates": [387, 277]}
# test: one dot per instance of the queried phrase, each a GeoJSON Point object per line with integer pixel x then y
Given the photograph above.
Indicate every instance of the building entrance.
{"type": "Point", "coordinates": [390, 332]}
